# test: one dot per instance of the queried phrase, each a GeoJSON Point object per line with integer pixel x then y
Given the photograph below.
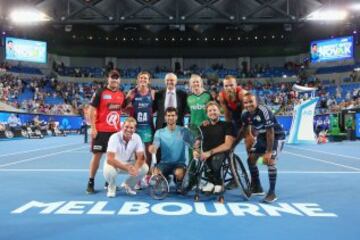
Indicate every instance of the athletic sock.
{"type": "Point", "coordinates": [272, 178]}
{"type": "Point", "coordinates": [91, 180]}
{"type": "Point", "coordinates": [254, 172]}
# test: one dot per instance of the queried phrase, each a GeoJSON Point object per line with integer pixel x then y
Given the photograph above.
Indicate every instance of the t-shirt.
{"type": "Point", "coordinates": [171, 145]}
{"type": "Point", "coordinates": [214, 135]}
{"type": "Point", "coordinates": [196, 105]}
{"type": "Point", "coordinates": [108, 106]}
{"type": "Point", "coordinates": [261, 120]}
{"type": "Point", "coordinates": [124, 150]}
{"type": "Point", "coordinates": [235, 107]}
{"type": "Point", "coordinates": [143, 108]}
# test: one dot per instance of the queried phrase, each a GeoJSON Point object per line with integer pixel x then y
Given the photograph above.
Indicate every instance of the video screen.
{"type": "Point", "coordinates": [332, 50]}
{"type": "Point", "coordinates": [25, 50]}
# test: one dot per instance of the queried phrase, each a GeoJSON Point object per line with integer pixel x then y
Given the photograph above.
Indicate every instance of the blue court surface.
{"type": "Point", "coordinates": [43, 196]}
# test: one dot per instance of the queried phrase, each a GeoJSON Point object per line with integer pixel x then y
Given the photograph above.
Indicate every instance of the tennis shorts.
{"type": "Point", "coordinates": [100, 143]}
{"type": "Point", "coordinates": [259, 146]}
{"type": "Point", "coordinates": [169, 168]}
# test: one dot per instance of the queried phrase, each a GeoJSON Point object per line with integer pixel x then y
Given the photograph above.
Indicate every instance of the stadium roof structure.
{"type": "Point", "coordinates": [174, 12]}
{"type": "Point", "coordinates": [179, 22]}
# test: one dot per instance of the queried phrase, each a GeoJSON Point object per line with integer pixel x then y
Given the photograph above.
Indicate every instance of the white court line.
{"type": "Point", "coordinates": [39, 157]}
{"type": "Point", "coordinates": [64, 170]}
{"type": "Point", "coordinates": [328, 153]}
{"type": "Point", "coordinates": [38, 149]}
{"type": "Point", "coordinates": [314, 172]}
{"type": "Point", "coordinates": [323, 161]}
{"type": "Point", "coordinates": [44, 170]}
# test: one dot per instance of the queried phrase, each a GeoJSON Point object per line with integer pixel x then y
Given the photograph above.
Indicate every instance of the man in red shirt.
{"type": "Point", "coordinates": [104, 112]}
{"type": "Point", "coordinates": [231, 100]}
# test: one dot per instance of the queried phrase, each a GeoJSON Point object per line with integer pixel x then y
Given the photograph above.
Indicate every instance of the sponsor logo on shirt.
{"type": "Point", "coordinates": [113, 119]}
{"type": "Point", "coordinates": [143, 105]}
{"type": "Point", "coordinates": [114, 106]}
{"type": "Point", "coordinates": [197, 107]}
{"type": "Point", "coordinates": [106, 96]}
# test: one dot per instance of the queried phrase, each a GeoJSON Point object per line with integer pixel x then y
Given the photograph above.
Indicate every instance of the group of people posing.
{"type": "Point", "coordinates": [129, 146]}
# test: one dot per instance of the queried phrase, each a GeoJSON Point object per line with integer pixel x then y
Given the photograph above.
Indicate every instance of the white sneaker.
{"type": "Point", "coordinates": [138, 185]}
{"type": "Point", "coordinates": [218, 189]}
{"type": "Point", "coordinates": [128, 189]}
{"type": "Point", "coordinates": [146, 180]}
{"type": "Point", "coordinates": [209, 187]}
{"type": "Point", "coordinates": [111, 191]}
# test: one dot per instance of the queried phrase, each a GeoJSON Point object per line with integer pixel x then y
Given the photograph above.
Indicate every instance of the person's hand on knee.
{"type": "Point", "coordinates": [179, 173]}
{"type": "Point", "coordinates": [267, 159]}
{"type": "Point", "coordinates": [155, 171]}
{"type": "Point", "coordinates": [252, 158]}
{"type": "Point", "coordinates": [133, 171]}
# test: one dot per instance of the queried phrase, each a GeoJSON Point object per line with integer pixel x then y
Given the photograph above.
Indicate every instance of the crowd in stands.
{"type": "Point", "coordinates": [259, 70]}
{"type": "Point", "coordinates": [32, 95]}
{"type": "Point", "coordinates": [50, 96]}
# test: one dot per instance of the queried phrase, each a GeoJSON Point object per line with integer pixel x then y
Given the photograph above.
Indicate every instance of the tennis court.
{"type": "Point", "coordinates": [43, 196]}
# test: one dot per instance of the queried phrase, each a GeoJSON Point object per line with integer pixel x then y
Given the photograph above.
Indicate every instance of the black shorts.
{"type": "Point", "coordinates": [168, 168]}
{"type": "Point", "coordinates": [100, 143]}
{"type": "Point", "coordinates": [259, 146]}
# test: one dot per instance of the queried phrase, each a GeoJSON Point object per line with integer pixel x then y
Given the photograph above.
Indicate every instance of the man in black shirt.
{"type": "Point", "coordinates": [269, 142]}
{"type": "Point", "coordinates": [217, 139]}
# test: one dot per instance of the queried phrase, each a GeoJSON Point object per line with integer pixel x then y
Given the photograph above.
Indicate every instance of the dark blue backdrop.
{"type": "Point", "coordinates": [66, 122]}
{"type": "Point", "coordinates": [75, 122]}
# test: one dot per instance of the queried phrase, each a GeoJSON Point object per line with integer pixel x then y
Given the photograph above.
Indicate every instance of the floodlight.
{"type": "Point", "coordinates": [28, 16]}
{"type": "Point", "coordinates": [328, 15]}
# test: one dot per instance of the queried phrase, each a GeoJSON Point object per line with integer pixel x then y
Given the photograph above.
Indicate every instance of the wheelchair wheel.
{"type": "Point", "coordinates": [190, 177]}
{"type": "Point", "coordinates": [24, 133]}
{"type": "Point", "coordinates": [240, 175]}
{"type": "Point", "coordinates": [158, 187]}
{"type": "Point", "coordinates": [9, 134]}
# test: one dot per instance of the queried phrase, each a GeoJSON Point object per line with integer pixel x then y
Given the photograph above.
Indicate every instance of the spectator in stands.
{"type": "Point", "coordinates": [13, 122]}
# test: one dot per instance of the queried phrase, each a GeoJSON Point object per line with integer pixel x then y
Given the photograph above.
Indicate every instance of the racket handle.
{"type": "Point", "coordinates": [153, 159]}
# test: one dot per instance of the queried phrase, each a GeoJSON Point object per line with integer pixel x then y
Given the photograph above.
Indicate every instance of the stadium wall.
{"type": "Point", "coordinates": [144, 63]}
{"type": "Point", "coordinates": [231, 63]}
{"type": "Point", "coordinates": [87, 62]}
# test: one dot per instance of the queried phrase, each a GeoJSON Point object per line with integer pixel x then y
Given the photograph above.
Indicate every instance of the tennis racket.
{"type": "Point", "coordinates": [192, 137]}
{"type": "Point", "coordinates": [158, 184]}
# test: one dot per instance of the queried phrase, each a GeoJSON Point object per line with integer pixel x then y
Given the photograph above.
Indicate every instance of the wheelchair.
{"type": "Point", "coordinates": [31, 132]}
{"type": "Point", "coordinates": [5, 131]}
{"type": "Point", "coordinates": [232, 171]}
